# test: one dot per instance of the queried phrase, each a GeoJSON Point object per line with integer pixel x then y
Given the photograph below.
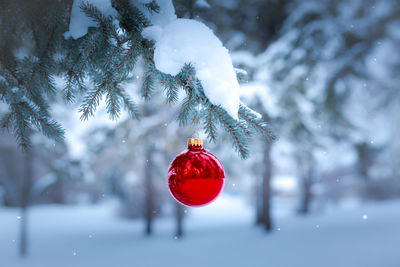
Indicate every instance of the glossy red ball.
{"type": "Point", "coordinates": [195, 177]}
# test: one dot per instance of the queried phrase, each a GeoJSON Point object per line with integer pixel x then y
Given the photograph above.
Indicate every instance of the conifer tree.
{"type": "Point", "coordinates": [96, 65]}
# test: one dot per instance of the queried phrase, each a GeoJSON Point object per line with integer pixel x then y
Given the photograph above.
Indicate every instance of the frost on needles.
{"type": "Point", "coordinates": [95, 49]}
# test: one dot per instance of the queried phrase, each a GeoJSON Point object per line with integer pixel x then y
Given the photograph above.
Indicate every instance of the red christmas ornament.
{"type": "Point", "coordinates": [195, 177]}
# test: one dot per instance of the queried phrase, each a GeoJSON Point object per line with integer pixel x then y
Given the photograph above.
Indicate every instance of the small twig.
{"type": "Point", "coordinates": [86, 111]}
{"type": "Point", "coordinates": [230, 130]}
{"type": "Point", "coordinates": [271, 135]}
{"type": "Point", "coordinates": [55, 131]}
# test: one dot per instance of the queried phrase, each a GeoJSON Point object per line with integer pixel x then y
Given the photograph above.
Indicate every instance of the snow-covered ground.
{"type": "Point", "coordinates": [221, 234]}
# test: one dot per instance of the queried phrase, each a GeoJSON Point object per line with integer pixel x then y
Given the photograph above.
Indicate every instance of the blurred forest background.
{"type": "Point", "coordinates": [325, 74]}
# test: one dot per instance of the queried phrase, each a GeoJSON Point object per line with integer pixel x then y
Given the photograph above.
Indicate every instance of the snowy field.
{"type": "Point", "coordinates": [221, 234]}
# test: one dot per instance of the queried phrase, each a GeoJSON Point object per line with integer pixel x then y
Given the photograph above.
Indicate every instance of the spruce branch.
{"type": "Point", "coordinates": [73, 80]}
{"type": "Point", "coordinates": [231, 126]}
{"type": "Point", "coordinates": [209, 125]}
{"type": "Point", "coordinates": [116, 49]}
{"type": "Point", "coordinates": [43, 122]}
{"type": "Point", "coordinates": [148, 82]}
{"type": "Point", "coordinates": [255, 122]}
{"type": "Point", "coordinates": [68, 95]}
{"type": "Point", "coordinates": [40, 63]}
{"type": "Point", "coordinates": [111, 56]}
{"type": "Point", "coordinates": [127, 55]}
{"type": "Point", "coordinates": [46, 79]}
{"type": "Point", "coordinates": [97, 16]}
{"type": "Point", "coordinates": [3, 89]}
{"type": "Point", "coordinates": [115, 35]}
{"type": "Point", "coordinates": [186, 109]}
{"type": "Point", "coordinates": [91, 102]}
{"type": "Point", "coordinates": [6, 121]}
{"type": "Point", "coordinates": [131, 18]}
{"type": "Point", "coordinates": [170, 87]}
{"type": "Point", "coordinates": [31, 81]}
{"type": "Point", "coordinates": [152, 6]}
{"type": "Point", "coordinates": [85, 62]}
{"type": "Point", "coordinates": [245, 128]}
{"type": "Point", "coordinates": [112, 103]}
{"type": "Point", "coordinates": [21, 128]}
{"type": "Point", "coordinates": [129, 105]}
{"type": "Point", "coordinates": [105, 57]}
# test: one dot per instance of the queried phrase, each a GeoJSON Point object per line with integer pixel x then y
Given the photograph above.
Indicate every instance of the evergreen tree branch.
{"type": "Point", "coordinates": [91, 102]}
{"type": "Point", "coordinates": [31, 81]}
{"type": "Point", "coordinates": [186, 109]}
{"type": "Point", "coordinates": [115, 34]}
{"type": "Point", "coordinates": [6, 120]}
{"type": "Point", "coordinates": [105, 57]}
{"type": "Point", "coordinates": [68, 95]}
{"type": "Point", "coordinates": [209, 125]}
{"type": "Point", "coordinates": [49, 127]}
{"type": "Point", "coordinates": [231, 126]}
{"type": "Point", "coordinates": [40, 63]}
{"type": "Point", "coordinates": [245, 129]}
{"type": "Point", "coordinates": [153, 6]}
{"type": "Point", "coordinates": [20, 128]}
{"type": "Point", "coordinates": [94, 13]}
{"type": "Point", "coordinates": [258, 124]}
{"type": "Point", "coordinates": [170, 88]}
{"type": "Point", "coordinates": [128, 53]}
{"type": "Point", "coordinates": [85, 62]}
{"type": "Point", "coordinates": [128, 104]}
{"type": "Point", "coordinates": [148, 82]}
{"type": "Point", "coordinates": [132, 19]}
{"type": "Point", "coordinates": [111, 56]}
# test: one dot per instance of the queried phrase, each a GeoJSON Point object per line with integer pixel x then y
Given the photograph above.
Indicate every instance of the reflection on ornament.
{"type": "Point", "coordinates": [195, 177]}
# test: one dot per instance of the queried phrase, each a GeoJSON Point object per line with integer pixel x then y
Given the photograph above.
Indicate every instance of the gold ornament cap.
{"type": "Point", "coordinates": [195, 142]}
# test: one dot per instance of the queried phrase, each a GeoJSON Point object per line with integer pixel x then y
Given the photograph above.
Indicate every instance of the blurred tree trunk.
{"type": "Point", "coordinates": [58, 195]}
{"type": "Point", "coordinates": [149, 198]}
{"type": "Point", "coordinates": [25, 196]}
{"type": "Point", "coordinates": [266, 188]}
{"type": "Point", "coordinates": [179, 208]}
{"type": "Point", "coordinates": [364, 153]}
{"type": "Point", "coordinates": [179, 219]}
{"type": "Point", "coordinates": [305, 195]}
{"type": "Point", "coordinates": [23, 234]}
{"type": "Point", "coordinates": [306, 183]}
{"type": "Point", "coordinates": [148, 179]}
{"type": "Point", "coordinates": [365, 159]}
{"type": "Point", "coordinates": [259, 209]}
{"type": "Point", "coordinates": [263, 191]}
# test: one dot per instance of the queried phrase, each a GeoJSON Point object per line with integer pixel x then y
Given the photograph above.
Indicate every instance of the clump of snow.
{"type": "Point", "coordinates": [79, 22]}
{"type": "Point", "coordinates": [153, 33]}
{"type": "Point", "coordinates": [189, 41]}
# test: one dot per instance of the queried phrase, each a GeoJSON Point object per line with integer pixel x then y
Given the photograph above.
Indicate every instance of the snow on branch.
{"type": "Point", "coordinates": [185, 41]}
{"type": "Point", "coordinates": [97, 54]}
{"type": "Point", "coordinates": [80, 22]}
